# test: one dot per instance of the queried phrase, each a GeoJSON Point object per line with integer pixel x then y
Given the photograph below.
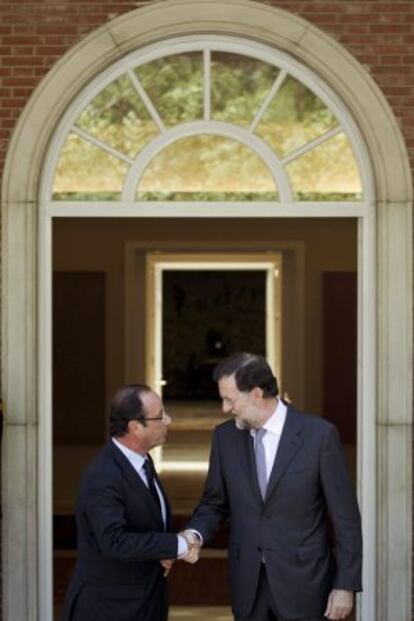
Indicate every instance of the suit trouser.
{"type": "Point", "coordinates": [264, 608]}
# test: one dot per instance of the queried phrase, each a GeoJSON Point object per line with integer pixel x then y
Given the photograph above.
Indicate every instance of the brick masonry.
{"type": "Point", "coordinates": [34, 34]}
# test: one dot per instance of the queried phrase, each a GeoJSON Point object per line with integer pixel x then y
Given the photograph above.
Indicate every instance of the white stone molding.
{"type": "Point", "coordinates": [394, 418]}
{"type": "Point", "coordinates": [19, 446]}
{"type": "Point", "coordinates": [385, 311]}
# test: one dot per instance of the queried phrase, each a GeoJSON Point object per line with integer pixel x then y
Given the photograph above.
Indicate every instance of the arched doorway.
{"type": "Point", "coordinates": [101, 53]}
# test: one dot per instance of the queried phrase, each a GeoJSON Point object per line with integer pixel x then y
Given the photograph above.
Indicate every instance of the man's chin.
{"type": "Point", "coordinates": [241, 424]}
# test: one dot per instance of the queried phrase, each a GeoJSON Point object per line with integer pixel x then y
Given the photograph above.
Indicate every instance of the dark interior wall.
{"type": "Point", "coordinates": [78, 357]}
{"type": "Point", "coordinates": [98, 245]}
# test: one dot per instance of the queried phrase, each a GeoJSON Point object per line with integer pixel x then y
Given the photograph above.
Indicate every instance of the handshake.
{"type": "Point", "coordinates": [193, 551]}
{"type": "Point", "coordinates": [194, 546]}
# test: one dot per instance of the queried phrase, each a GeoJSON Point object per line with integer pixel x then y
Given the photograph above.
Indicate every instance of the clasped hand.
{"type": "Point", "coordinates": [194, 546]}
{"type": "Point", "coordinates": [192, 554]}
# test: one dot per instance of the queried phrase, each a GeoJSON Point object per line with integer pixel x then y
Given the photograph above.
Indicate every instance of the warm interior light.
{"type": "Point", "coordinates": [183, 466]}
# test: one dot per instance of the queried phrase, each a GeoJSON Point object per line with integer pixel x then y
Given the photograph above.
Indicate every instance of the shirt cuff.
{"type": "Point", "coordinates": [182, 546]}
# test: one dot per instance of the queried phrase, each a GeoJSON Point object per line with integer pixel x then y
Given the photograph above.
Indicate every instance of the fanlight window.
{"type": "Point", "coordinates": [206, 168]}
{"type": "Point", "coordinates": [206, 125]}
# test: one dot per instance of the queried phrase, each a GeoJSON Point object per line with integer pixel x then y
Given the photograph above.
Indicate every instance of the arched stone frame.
{"type": "Point", "coordinates": [385, 345]}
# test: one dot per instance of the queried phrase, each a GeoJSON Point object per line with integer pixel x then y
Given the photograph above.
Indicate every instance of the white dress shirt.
{"type": "Point", "coordinates": [137, 462]}
{"type": "Point", "coordinates": [274, 427]}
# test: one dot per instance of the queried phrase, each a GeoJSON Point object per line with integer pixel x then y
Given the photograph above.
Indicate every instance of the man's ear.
{"type": "Point", "coordinates": [257, 393]}
{"type": "Point", "coordinates": [132, 425]}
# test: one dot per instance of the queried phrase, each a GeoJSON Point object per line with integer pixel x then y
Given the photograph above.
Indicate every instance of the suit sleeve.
{"type": "Point", "coordinates": [344, 513]}
{"type": "Point", "coordinates": [104, 511]}
{"type": "Point", "coordinates": [213, 507]}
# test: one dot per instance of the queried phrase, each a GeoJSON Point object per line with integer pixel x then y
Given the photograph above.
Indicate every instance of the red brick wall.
{"type": "Point", "coordinates": [35, 33]}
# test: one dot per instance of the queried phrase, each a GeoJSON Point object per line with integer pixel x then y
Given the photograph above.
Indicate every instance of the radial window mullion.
{"type": "Point", "coordinates": [146, 99]}
{"type": "Point", "coordinates": [276, 85]}
{"type": "Point", "coordinates": [101, 145]}
{"type": "Point", "coordinates": [207, 84]}
{"type": "Point", "coordinates": [327, 172]}
{"type": "Point", "coordinates": [174, 84]}
{"type": "Point", "coordinates": [285, 119]}
{"type": "Point", "coordinates": [311, 145]}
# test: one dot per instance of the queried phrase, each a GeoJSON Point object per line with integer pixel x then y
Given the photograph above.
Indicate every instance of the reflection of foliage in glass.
{"type": "Point", "coordinates": [206, 168]}
{"type": "Point", "coordinates": [207, 196]}
{"type": "Point", "coordinates": [85, 168]}
{"type": "Point", "coordinates": [238, 86]}
{"type": "Point", "coordinates": [330, 169]}
{"type": "Point", "coordinates": [295, 117]}
{"type": "Point", "coordinates": [206, 164]}
{"type": "Point", "coordinates": [175, 86]}
{"type": "Point", "coordinates": [118, 117]}
{"type": "Point", "coordinates": [87, 196]}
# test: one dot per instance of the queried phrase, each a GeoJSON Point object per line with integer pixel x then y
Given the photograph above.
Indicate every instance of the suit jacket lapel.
{"type": "Point", "coordinates": [133, 478]}
{"type": "Point", "coordinates": [246, 452]}
{"type": "Point", "coordinates": [290, 442]}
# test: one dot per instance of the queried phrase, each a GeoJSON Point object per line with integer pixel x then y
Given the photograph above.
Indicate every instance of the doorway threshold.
{"type": "Point", "coordinates": [200, 613]}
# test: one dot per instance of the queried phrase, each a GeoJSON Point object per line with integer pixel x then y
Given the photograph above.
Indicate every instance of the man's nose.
{"type": "Point", "coordinates": [167, 419]}
{"type": "Point", "coordinates": [226, 407]}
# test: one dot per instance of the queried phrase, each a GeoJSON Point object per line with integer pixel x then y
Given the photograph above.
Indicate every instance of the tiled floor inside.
{"type": "Point", "coordinates": [189, 613]}
{"type": "Point", "coordinates": [205, 613]}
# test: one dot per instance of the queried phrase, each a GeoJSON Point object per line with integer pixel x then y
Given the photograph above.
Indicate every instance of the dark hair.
{"type": "Point", "coordinates": [127, 405]}
{"type": "Point", "coordinates": [250, 371]}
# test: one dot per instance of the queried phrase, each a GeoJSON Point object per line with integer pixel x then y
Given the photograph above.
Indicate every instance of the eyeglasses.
{"type": "Point", "coordinates": [162, 415]}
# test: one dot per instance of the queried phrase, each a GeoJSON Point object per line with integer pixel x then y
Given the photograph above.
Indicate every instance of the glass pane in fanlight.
{"type": "Point", "coordinates": [175, 86]}
{"type": "Point", "coordinates": [294, 117]}
{"type": "Point", "coordinates": [118, 117]}
{"type": "Point", "coordinates": [238, 87]}
{"type": "Point", "coordinates": [85, 172]}
{"type": "Point", "coordinates": [328, 172]}
{"type": "Point", "coordinates": [206, 168]}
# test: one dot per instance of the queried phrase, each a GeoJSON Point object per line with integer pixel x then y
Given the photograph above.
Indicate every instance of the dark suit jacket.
{"type": "Point", "coordinates": [121, 540]}
{"type": "Point", "coordinates": [289, 529]}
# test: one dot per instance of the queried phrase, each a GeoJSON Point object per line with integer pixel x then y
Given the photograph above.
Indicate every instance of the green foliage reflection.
{"type": "Point", "coordinates": [175, 86]}
{"type": "Point", "coordinates": [211, 168]}
{"type": "Point", "coordinates": [239, 86]}
{"type": "Point", "coordinates": [207, 196]}
{"type": "Point", "coordinates": [207, 164]}
{"type": "Point", "coordinates": [295, 117]}
{"type": "Point", "coordinates": [84, 168]}
{"type": "Point", "coordinates": [329, 169]}
{"type": "Point", "coordinates": [118, 117]}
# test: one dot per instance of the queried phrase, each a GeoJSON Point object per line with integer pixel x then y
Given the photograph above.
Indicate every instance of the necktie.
{"type": "Point", "coordinates": [149, 473]}
{"type": "Point", "coordinates": [260, 460]}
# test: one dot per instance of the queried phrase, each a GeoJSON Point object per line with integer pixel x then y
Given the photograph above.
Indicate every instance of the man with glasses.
{"type": "Point", "coordinates": [123, 519]}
